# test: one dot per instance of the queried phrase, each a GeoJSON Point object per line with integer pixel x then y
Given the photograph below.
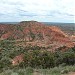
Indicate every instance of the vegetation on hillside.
{"type": "Point", "coordinates": [34, 56]}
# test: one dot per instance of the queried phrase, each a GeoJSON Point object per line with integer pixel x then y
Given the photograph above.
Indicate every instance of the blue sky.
{"type": "Point", "coordinates": [39, 10]}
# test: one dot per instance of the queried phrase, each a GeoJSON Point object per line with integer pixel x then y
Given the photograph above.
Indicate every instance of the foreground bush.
{"type": "Point", "coordinates": [30, 71]}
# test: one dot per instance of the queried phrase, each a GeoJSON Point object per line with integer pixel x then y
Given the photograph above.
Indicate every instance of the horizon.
{"type": "Point", "coordinates": [60, 11]}
{"type": "Point", "coordinates": [38, 21]}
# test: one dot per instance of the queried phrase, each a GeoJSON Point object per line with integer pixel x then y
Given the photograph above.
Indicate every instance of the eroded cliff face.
{"type": "Point", "coordinates": [36, 33]}
{"type": "Point", "coordinates": [17, 60]}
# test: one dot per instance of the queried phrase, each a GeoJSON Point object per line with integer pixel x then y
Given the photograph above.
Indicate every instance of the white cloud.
{"type": "Point", "coordinates": [59, 9]}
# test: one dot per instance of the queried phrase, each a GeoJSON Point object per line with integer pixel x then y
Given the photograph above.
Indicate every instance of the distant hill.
{"type": "Point", "coordinates": [9, 22]}
{"type": "Point", "coordinates": [36, 33]}
{"type": "Point", "coordinates": [68, 28]}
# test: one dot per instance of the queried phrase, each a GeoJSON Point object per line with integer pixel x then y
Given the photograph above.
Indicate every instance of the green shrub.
{"type": "Point", "coordinates": [14, 73]}
{"type": "Point", "coordinates": [64, 71]}
{"type": "Point", "coordinates": [21, 73]}
{"type": "Point", "coordinates": [29, 70]}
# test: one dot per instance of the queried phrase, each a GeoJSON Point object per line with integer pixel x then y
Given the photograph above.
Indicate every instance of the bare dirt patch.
{"type": "Point", "coordinates": [71, 73]}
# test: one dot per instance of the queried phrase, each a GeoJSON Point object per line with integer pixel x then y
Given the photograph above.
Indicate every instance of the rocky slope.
{"type": "Point", "coordinates": [35, 33]}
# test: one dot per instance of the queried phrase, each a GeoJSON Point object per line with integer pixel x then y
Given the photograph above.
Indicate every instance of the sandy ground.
{"type": "Point", "coordinates": [71, 73]}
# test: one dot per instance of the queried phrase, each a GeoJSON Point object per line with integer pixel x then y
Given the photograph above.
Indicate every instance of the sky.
{"type": "Point", "coordinates": [38, 10]}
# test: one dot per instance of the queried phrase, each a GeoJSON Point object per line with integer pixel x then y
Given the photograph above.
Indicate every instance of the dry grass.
{"type": "Point", "coordinates": [66, 70]}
